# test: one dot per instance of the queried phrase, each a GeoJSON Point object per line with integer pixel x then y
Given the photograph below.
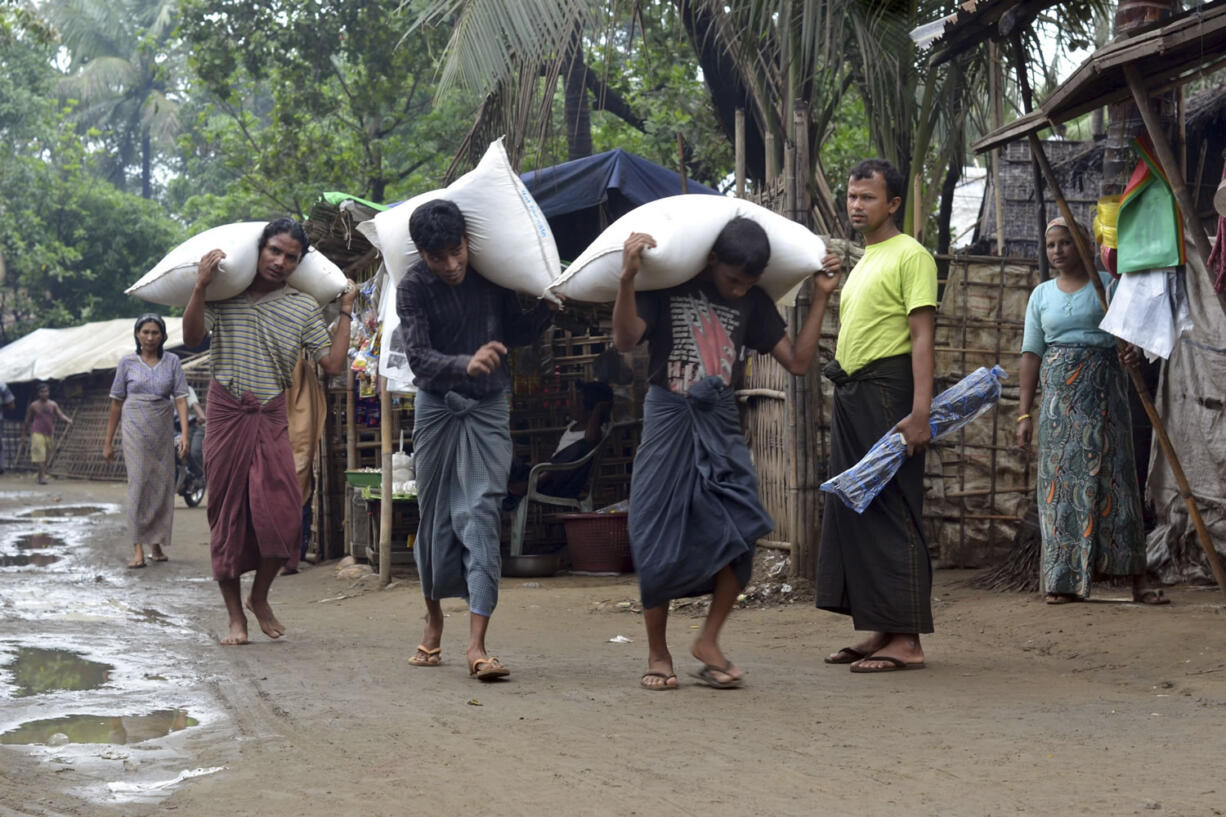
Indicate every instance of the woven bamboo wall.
{"type": "Point", "coordinates": [979, 483]}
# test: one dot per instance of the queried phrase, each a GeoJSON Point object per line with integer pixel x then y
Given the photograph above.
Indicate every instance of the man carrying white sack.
{"type": "Point", "coordinates": [695, 514]}
{"type": "Point", "coordinates": [255, 503]}
{"type": "Point", "coordinates": [456, 327]}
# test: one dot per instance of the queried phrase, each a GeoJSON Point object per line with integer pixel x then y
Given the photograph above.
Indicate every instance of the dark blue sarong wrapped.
{"type": "Point", "coordinates": [694, 505]}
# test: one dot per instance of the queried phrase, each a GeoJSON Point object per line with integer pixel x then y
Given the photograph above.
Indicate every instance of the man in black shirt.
{"type": "Point", "coordinates": [457, 326]}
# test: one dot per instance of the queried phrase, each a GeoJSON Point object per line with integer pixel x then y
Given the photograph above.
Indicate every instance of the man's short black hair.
{"type": "Point", "coordinates": [437, 225]}
{"type": "Point", "coordinates": [894, 184]}
{"type": "Point", "coordinates": [743, 243]}
{"type": "Point", "coordinates": [595, 392]}
{"type": "Point", "coordinates": [286, 225]}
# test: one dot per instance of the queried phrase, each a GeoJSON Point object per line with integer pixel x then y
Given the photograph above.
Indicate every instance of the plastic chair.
{"type": "Point", "coordinates": [583, 503]}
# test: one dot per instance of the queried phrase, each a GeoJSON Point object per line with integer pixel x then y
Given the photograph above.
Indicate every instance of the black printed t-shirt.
{"type": "Point", "coordinates": [694, 333]}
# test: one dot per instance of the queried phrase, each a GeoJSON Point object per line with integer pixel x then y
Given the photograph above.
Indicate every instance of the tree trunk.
{"type": "Point", "coordinates": [578, 113]}
{"type": "Point", "coordinates": [146, 166]}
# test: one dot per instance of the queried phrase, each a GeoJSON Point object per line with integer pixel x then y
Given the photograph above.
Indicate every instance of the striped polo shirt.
{"type": "Point", "coordinates": [256, 343]}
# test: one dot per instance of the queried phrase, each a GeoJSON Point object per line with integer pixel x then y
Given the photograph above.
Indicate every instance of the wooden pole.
{"type": "Point", "coordinates": [351, 462]}
{"type": "Point", "coordinates": [386, 503]}
{"type": "Point", "coordinates": [740, 153]}
{"type": "Point", "coordinates": [1023, 81]}
{"type": "Point", "coordinates": [1164, 440]}
{"type": "Point", "coordinates": [1174, 175]}
{"type": "Point", "coordinates": [681, 161]}
{"type": "Point", "coordinates": [998, 121]}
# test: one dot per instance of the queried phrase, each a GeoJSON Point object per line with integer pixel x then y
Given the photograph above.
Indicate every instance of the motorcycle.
{"type": "Point", "coordinates": [189, 482]}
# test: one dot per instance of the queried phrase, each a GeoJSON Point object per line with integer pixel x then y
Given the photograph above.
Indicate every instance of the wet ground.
{"type": "Point", "coordinates": [100, 666]}
{"type": "Point", "coordinates": [117, 701]}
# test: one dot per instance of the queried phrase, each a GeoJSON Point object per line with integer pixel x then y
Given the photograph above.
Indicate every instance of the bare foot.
{"type": "Point", "coordinates": [264, 615]}
{"type": "Point", "coordinates": [720, 668]}
{"type": "Point", "coordinates": [237, 635]}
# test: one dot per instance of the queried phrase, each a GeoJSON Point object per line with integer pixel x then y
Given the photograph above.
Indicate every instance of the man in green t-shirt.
{"type": "Point", "coordinates": [875, 566]}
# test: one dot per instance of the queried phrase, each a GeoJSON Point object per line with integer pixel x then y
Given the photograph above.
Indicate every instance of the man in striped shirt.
{"type": "Point", "coordinates": [255, 504]}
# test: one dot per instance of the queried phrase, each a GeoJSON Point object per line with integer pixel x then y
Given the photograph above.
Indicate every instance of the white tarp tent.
{"type": "Point", "coordinates": [57, 354]}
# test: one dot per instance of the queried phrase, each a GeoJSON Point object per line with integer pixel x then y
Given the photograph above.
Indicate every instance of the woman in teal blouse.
{"type": "Point", "coordinates": [1089, 505]}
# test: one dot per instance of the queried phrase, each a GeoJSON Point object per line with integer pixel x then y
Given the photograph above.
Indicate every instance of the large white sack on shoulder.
{"type": "Point", "coordinates": [172, 279]}
{"type": "Point", "coordinates": [318, 277]}
{"type": "Point", "coordinates": [509, 239]}
{"type": "Point", "coordinates": [685, 228]}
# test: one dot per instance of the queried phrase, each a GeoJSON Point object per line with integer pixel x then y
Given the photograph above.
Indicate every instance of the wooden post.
{"type": "Point", "coordinates": [740, 153]}
{"type": "Point", "coordinates": [1023, 81]}
{"type": "Point", "coordinates": [386, 504]}
{"type": "Point", "coordinates": [1174, 175]}
{"type": "Point", "coordinates": [681, 161]}
{"type": "Point", "coordinates": [771, 168]}
{"type": "Point", "coordinates": [351, 462]}
{"type": "Point", "coordinates": [998, 120]}
{"type": "Point", "coordinates": [1164, 440]}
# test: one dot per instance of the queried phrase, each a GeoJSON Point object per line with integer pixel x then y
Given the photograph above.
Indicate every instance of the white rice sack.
{"type": "Point", "coordinates": [509, 240]}
{"type": "Point", "coordinates": [685, 228]}
{"type": "Point", "coordinates": [318, 277]}
{"type": "Point", "coordinates": [171, 282]}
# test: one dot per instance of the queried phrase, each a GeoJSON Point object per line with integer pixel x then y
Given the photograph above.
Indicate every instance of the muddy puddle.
{"type": "Point", "coordinates": [38, 541]}
{"type": "Point", "coordinates": [99, 728]}
{"type": "Point", "coordinates": [27, 559]}
{"type": "Point", "coordinates": [62, 512]}
{"type": "Point", "coordinates": [37, 671]}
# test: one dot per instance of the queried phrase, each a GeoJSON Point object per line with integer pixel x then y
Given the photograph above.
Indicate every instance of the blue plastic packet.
{"type": "Point", "coordinates": [951, 410]}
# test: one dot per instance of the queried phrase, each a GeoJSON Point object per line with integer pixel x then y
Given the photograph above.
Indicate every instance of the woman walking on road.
{"type": "Point", "coordinates": [1089, 504]}
{"type": "Point", "coordinates": [146, 383]}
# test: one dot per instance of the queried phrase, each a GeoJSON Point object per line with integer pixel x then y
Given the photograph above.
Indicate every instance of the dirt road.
{"type": "Point", "coordinates": [1099, 708]}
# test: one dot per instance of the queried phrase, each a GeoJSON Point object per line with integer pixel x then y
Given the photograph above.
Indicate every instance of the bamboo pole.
{"type": "Point", "coordinates": [386, 502]}
{"type": "Point", "coordinates": [1023, 81]}
{"type": "Point", "coordinates": [681, 161]}
{"type": "Point", "coordinates": [1174, 175]}
{"type": "Point", "coordinates": [740, 153]}
{"type": "Point", "coordinates": [351, 462]}
{"type": "Point", "coordinates": [1172, 459]}
{"type": "Point", "coordinates": [998, 121]}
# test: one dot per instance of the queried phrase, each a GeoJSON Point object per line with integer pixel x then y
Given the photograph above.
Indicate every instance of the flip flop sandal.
{"type": "Point", "coordinates": [658, 687]}
{"type": "Point", "coordinates": [136, 565]}
{"type": "Point", "coordinates": [1151, 597]}
{"type": "Point", "coordinates": [415, 661]}
{"type": "Point", "coordinates": [892, 664]}
{"type": "Point", "coordinates": [846, 655]}
{"type": "Point", "coordinates": [487, 669]}
{"type": "Point", "coordinates": [707, 676]}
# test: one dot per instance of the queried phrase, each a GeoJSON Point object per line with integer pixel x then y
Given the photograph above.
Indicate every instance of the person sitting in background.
{"type": "Point", "coordinates": [583, 433]}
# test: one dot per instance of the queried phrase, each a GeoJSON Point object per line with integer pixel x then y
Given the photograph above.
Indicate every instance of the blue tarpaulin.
{"type": "Point", "coordinates": [582, 197]}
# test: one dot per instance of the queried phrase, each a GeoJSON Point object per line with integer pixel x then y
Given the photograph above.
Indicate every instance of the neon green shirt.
{"type": "Point", "coordinates": [893, 279]}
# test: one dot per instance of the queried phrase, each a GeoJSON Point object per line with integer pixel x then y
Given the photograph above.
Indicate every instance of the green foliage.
{"type": "Point", "coordinates": [658, 75]}
{"type": "Point", "coordinates": [296, 97]}
{"type": "Point", "coordinates": [71, 242]}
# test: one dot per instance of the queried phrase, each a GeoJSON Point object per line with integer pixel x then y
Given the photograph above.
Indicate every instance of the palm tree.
{"type": "Point", "coordinates": [768, 57]}
{"type": "Point", "coordinates": [121, 73]}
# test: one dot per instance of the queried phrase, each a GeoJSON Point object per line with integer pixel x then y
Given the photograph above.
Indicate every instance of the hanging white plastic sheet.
{"type": "Point", "coordinates": [393, 362]}
{"type": "Point", "coordinates": [1149, 310]}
